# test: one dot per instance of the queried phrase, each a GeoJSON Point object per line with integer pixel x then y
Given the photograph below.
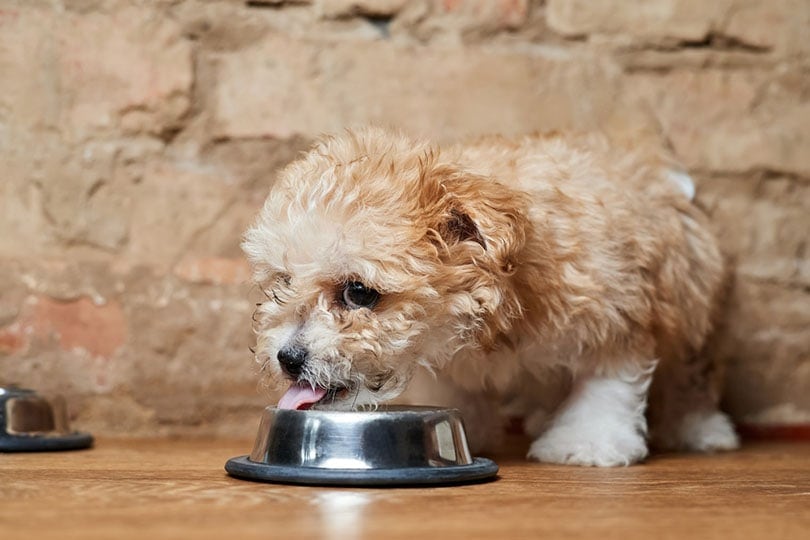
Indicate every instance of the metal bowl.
{"type": "Point", "coordinates": [387, 446]}
{"type": "Point", "coordinates": [31, 423]}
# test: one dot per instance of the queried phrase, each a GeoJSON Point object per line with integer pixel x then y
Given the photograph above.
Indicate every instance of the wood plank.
{"type": "Point", "coordinates": [177, 488]}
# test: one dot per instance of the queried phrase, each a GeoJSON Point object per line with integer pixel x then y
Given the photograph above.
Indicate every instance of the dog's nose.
{"type": "Point", "coordinates": [292, 359]}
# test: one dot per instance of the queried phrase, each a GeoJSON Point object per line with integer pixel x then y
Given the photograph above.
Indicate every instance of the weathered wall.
{"type": "Point", "coordinates": [137, 139]}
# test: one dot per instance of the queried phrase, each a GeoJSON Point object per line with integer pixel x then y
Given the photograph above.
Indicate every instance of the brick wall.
{"type": "Point", "coordinates": [138, 138]}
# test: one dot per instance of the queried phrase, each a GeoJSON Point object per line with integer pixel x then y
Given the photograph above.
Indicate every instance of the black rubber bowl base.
{"type": "Point", "coordinates": [480, 470]}
{"type": "Point", "coordinates": [36, 443]}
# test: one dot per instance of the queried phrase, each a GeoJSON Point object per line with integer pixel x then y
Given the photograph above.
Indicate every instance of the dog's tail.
{"type": "Point", "coordinates": [682, 181]}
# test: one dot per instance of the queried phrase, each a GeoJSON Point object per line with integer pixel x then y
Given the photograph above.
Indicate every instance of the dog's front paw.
{"type": "Point", "coordinates": [567, 445]}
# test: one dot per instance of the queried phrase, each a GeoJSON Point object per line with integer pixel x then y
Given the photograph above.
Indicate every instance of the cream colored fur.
{"type": "Point", "coordinates": [498, 263]}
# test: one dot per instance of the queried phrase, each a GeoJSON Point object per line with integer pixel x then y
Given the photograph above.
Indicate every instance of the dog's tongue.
{"type": "Point", "coordinates": [300, 396]}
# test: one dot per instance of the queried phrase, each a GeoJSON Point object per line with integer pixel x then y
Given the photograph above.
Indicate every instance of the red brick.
{"type": "Point", "coordinates": [13, 339]}
{"type": "Point", "coordinates": [213, 270]}
{"type": "Point", "coordinates": [101, 330]}
{"type": "Point", "coordinates": [503, 13]}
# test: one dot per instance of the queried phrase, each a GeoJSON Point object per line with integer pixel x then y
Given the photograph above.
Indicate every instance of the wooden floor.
{"type": "Point", "coordinates": [162, 488]}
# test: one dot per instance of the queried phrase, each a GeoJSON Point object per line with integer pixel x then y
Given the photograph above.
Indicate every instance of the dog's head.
{"type": "Point", "coordinates": [377, 254]}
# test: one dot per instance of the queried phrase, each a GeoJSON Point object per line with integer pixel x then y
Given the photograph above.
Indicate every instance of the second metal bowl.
{"type": "Point", "coordinates": [388, 446]}
{"type": "Point", "coordinates": [31, 423]}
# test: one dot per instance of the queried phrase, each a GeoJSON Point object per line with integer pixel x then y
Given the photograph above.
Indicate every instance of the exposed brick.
{"type": "Point", "coordinates": [689, 20]}
{"type": "Point", "coordinates": [768, 348]}
{"type": "Point", "coordinates": [97, 413]}
{"type": "Point", "coordinates": [79, 195]}
{"type": "Point", "coordinates": [457, 21]}
{"type": "Point", "coordinates": [281, 88]}
{"type": "Point", "coordinates": [20, 207]}
{"type": "Point", "coordinates": [779, 25]}
{"type": "Point", "coordinates": [138, 139]}
{"type": "Point", "coordinates": [13, 339]}
{"type": "Point", "coordinates": [100, 330]}
{"type": "Point", "coordinates": [213, 270]}
{"type": "Point", "coordinates": [730, 120]}
{"type": "Point", "coordinates": [762, 224]}
{"type": "Point", "coordinates": [132, 61]}
{"type": "Point", "coordinates": [64, 279]}
{"type": "Point", "coordinates": [196, 339]}
{"type": "Point", "coordinates": [172, 204]}
{"type": "Point", "coordinates": [28, 88]}
{"type": "Point", "coordinates": [347, 8]}
{"type": "Point", "coordinates": [84, 72]}
{"type": "Point", "coordinates": [81, 198]}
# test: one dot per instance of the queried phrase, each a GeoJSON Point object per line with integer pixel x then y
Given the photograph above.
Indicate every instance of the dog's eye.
{"type": "Point", "coordinates": [356, 295]}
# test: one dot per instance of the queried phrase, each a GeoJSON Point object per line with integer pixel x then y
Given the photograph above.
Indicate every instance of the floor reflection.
{"type": "Point", "coordinates": [341, 513]}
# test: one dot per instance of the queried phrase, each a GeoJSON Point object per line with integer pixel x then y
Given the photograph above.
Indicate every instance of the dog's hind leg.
{"type": "Point", "coordinates": [683, 412]}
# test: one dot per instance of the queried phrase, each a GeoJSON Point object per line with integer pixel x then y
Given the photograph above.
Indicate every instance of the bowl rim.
{"type": "Point", "coordinates": [383, 411]}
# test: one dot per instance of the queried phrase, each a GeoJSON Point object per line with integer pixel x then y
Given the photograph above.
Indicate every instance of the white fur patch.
{"type": "Point", "coordinates": [601, 424]}
{"type": "Point", "coordinates": [683, 181]}
{"type": "Point", "coordinates": [707, 431]}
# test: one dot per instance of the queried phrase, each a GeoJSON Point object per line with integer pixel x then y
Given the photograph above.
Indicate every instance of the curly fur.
{"type": "Point", "coordinates": [498, 261]}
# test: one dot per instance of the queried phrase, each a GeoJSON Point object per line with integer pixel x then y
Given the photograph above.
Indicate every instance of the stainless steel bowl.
{"type": "Point", "coordinates": [31, 423]}
{"type": "Point", "coordinates": [388, 446]}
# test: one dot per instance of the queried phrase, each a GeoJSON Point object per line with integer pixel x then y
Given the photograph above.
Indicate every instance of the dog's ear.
{"type": "Point", "coordinates": [457, 226]}
{"type": "Point", "coordinates": [477, 216]}
{"type": "Point", "coordinates": [479, 227]}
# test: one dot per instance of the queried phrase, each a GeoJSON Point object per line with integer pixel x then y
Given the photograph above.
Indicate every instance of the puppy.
{"type": "Point", "coordinates": [496, 264]}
